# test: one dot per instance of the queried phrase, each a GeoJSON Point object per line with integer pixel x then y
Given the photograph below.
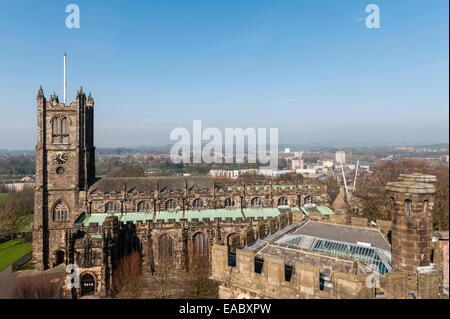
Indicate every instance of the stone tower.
{"type": "Point", "coordinates": [65, 167]}
{"type": "Point", "coordinates": [412, 198]}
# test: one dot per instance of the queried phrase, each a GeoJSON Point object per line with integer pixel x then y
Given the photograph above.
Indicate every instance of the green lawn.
{"type": "Point", "coordinates": [11, 251]}
{"type": "Point", "coordinates": [3, 197]}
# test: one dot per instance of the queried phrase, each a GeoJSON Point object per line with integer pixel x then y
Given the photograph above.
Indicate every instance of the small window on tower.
{"type": "Point", "coordinates": [408, 208]}
{"type": "Point", "coordinates": [425, 207]}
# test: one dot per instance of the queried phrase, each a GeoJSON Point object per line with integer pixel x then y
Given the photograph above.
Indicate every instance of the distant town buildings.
{"type": "Point", "coordinates": [297, 164]}
{"type": "Point", "coordinates": [298, 154]}
{"type": "Point", "coordinates": [224, 173]}
{"type": "Point", "coordinates": [340, 156]}
{"type": "Point", "coordinates": [328, 164]}
{"type": "Point", "coordinates": [17, 185]}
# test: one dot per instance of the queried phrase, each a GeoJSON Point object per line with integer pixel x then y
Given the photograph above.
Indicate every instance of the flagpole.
{"type": "Point", "coordinates": [65, 81]}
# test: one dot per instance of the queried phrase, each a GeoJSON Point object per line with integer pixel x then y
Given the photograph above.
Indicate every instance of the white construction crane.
{"type": "Point", "coordinates": [356, 173]}
{"type": "Point", "coordinates": [343, 176]}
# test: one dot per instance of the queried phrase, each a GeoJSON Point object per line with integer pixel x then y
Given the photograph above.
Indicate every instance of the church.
{"type": "Point", "coordinates": [93, 222]}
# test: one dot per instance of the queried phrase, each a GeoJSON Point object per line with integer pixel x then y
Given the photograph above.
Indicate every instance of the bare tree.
{"type": "Point", "coordinates": [372, 194]}
{"type": "Point", "coordinates": [201, 287]}
{"type": "Point", "coordinates": [43, 286]}
{"type": "Point", "coordinates": [164, 277]}
{"type": "Point", "coordinates": [128, 279]}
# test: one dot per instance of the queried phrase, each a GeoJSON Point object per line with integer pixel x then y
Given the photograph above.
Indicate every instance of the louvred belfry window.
{"type": "Point", "coordinates": [60, 130]}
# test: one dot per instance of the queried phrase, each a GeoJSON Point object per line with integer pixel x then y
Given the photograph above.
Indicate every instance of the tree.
{"type": "Point", "coordinates": [166, 281]}
{"type": "Point", "coordinates": [22, 202]}
{"type": "Point", "coordinates": [201, 287]}
{"type": "Point", "coordinates": [128, 278]}
{"type": "Point", "coordinates": [42, 286]}
{"type": "Point", "coordinates": [371, 189]}
{"type": "Point", "coordinates": [9, 220]}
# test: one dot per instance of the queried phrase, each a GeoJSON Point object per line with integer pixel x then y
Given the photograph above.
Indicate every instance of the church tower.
{"type": "Point", "coordinates": [65, 168]}
{"type": "Point", "coordinates": [412, 199]}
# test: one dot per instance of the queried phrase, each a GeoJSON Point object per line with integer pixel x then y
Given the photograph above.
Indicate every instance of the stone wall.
{"type": "Point", "coordinates": [242, 281]}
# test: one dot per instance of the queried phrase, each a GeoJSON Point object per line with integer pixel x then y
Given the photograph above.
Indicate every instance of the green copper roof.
{"type": "Point", "coordinates": [261, 212]}
{"type": "Point", "coordinates": [133, 217]}
{"type": "Point", "coordinates": [213, 213]}
{"type": "Point", "coordinates": [99, 218]}
{"type": "Point", "coordinates": [177, 215]}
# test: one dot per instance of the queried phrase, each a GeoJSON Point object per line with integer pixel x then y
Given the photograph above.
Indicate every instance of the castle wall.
{"type": "Point", "coordinates": [242, 281]}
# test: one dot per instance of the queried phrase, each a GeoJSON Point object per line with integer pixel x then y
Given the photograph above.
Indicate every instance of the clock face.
{"type": "Point", "coordinates": [60, 158]}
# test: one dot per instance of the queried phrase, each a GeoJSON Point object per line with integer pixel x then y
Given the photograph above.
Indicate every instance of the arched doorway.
{"type": "Point", "coordinates": [87, 284]}
{"type": "Point", "coordinates": [59, 258]}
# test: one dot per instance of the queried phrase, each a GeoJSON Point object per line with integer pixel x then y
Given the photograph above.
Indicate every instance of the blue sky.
{"type": "Point", "coordinates": [310, 68]}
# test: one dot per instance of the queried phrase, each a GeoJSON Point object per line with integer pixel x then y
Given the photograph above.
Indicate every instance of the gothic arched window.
{"type": "Point", "coordinates": [60, 212]}
{"type": "Point", "coordinates": [200, 245]}
{"type": "Point", "coordinates": [143, 206]}
{"type": "Point", "coordinates": [197, 204]}
{"type": "Point", "coordinates": [165, 247]}
{"type": "Point", "coordinates": [257, 202]}
{"type": "Point", "coordinates": [171, 205]}
{"type": "Point", "coordinates": [229, 202]}
{"type": "Point", "coordinates": [408, 208]}
{"type": "Point", "coordinates": [309, 200]}
{"type": "Point", "coordinates": [283, 201]}
{"type": "Point", "coordinates": [111, 207]}
{"type": "Point", "coordinates": [60, 130]}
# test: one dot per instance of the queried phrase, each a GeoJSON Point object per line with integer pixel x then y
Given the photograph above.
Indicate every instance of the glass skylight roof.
{"type": "Point", "coordinates": [370, 256]}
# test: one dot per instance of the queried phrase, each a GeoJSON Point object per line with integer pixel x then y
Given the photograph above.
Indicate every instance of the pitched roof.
{"type": "Point", "coordinates": [344, 233]}
{"type": "Point", "coordinates": [149, 184]}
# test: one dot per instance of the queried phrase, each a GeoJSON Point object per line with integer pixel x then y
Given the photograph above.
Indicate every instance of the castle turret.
{"type": "Point", "coordinates": [412, 198]}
